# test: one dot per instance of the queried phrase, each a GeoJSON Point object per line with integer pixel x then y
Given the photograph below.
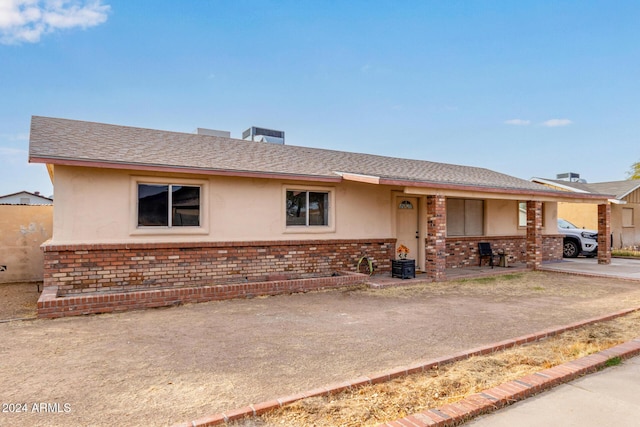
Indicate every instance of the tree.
{"type": "Point", "coordinates": [634, 173]}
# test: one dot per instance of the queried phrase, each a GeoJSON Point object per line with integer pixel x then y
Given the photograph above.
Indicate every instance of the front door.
{"type": "Point", "coordinates": [407, 225]}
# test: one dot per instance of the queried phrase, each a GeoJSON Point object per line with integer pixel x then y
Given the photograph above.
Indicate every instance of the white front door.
{"type": "Point", "coordinates": [407, 225]}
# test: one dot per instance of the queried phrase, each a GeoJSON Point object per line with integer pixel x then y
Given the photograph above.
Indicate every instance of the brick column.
{"type": "Point", "coordinates": [534, 234]}
{"type": "Point", "coordinates": [435, 249]}
{"type": "Point", "coordinates": [604, 234]}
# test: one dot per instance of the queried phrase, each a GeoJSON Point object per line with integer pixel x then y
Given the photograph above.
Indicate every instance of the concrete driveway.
{"type": "Point", "coordinates": [622, 268]}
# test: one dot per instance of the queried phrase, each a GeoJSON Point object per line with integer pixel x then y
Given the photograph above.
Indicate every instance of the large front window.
{"type": "Point", "coordinates": [168, 205]}
{"type": "Point", "coordinates": [465, 217]}
{"type": "Point", "coordinates": [307, 208]}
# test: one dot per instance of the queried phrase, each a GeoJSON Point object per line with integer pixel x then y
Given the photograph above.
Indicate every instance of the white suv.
{"type": "Point", "coordinates": [577, 241]}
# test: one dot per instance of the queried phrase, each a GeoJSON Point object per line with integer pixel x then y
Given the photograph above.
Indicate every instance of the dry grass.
{"type": "Point", "coordinates": [372, 405]}
{"type": "Point", "coordinates": [520, 285]}
{"type": "Point", "coordinates": [631, 252]}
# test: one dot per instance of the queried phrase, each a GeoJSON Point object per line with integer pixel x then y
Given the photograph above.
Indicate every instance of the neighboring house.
{"type": "Point", "coordinates": [140, 208]}
{"type": "Point", "coordinates": [25, 223]}
{"type": "Point", "coordinates": [625, 207]}
{"type": "Point", "coordinates": [25, 198]}
{"type": "Point", "coordinates": [23, 229]}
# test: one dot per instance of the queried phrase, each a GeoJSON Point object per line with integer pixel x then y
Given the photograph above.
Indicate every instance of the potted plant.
{"type": "Point", "coordinates": [402, 251]}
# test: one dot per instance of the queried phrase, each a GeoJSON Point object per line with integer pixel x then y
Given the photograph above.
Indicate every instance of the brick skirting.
{"type": "Point", "coordinates": [81, 269]}
{"type": "Point", "coordinates": [53, 305]}
{"type": "Point", "coordinates": [463, 251]}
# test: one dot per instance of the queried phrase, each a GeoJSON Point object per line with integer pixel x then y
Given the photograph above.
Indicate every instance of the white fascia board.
{"type": "Point", "coordinates": [555, 184]}
{"type": "Point", "coordinates": [369, 179]}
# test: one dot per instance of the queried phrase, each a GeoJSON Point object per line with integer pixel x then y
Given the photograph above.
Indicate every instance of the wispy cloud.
{"type": "Point", "coordinates": [8, 151]}
{"type": "Point", "coordinates": [518, 122]}
{"type": "Point", "coordinates": [553, 123]}
{"type": "Point", "coordinates": [14, 136]}
{"type": "Point", "coordinates": [27, 20]}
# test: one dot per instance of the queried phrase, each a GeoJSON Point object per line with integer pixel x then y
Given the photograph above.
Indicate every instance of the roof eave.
{"type": "Point", "coordinates": [179, 169]}
{"type": "Point", "coordinates": [498, 190]}
{"type": "Point", "coordinates": [556, 184]}
{"type": "Point", "coordinates": [622, 196]}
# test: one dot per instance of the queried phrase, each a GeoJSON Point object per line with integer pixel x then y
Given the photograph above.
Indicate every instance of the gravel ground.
{"type": "Point", "coordinates": [18, 300]}
{"type": "Point", "coordinates": [165, 366]}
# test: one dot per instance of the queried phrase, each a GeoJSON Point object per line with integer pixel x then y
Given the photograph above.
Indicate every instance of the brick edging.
{"type": "Point", "coordinates": [511, 392]}
{"type": "Point", "coordinates": [52, 306]}
{"type": "Point", "coordinates": [380, 377]}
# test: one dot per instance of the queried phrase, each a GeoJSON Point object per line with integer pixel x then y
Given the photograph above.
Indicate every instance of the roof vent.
{"type": "Point", "coordinates": [213, 132]}
{"type": "Point", "coordinates": [263, 135]}
{"type": "Point", "coordinates": [570, 176]}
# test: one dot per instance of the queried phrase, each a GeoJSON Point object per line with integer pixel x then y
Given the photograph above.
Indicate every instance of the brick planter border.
{"type": "Point", "coordinates": [476, 404]}
{"type": "Point", "coordinates": [51, 305]}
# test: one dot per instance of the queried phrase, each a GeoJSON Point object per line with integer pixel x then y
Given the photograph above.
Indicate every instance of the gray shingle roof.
{"type": "Point", "coordinates": [55, 140]}
{"type": "Point", "coordinates": [618, 188]}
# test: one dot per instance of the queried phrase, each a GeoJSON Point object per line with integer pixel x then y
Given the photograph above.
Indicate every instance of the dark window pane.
{"type": "Point", "coordinates": [185, 209]}
{"type": "Point", "coordinates": [296, 208]}
{"type": "Point", "coordinates": [318, 208]}
{"type": "Point", "coordinates": [153, 205]}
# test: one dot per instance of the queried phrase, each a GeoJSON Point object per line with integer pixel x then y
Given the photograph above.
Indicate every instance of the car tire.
{"type": "Point", "coordinates": [570, 249]}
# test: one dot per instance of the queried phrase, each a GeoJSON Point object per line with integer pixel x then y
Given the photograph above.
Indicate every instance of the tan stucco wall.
{"type": "Point", "coordinates": [98, 206]}
{"type": "Point", "coordinates": [23, 229]}
{"type": "Point", "coordinates": [580, 214]}
{"type": "Point", "coordinates": [501, 218]}
{"type": "Point", "coordinates": [625, 236]}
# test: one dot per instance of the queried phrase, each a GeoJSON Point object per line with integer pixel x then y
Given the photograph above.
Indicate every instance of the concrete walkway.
{"type": "Point", "coordinates": [620, 267]}
{"type": "Point", "coordinates": [608, 397]}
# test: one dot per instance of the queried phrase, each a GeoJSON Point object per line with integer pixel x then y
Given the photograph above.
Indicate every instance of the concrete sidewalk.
{"type": "Point", "coordinates": [608, 397]}
{"type": "Point", "coordinates": [622, 268]}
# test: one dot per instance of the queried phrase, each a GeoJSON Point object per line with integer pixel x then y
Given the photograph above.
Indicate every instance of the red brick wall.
{"type": "Point", "coordinates": [604, 234]}
{"type": "Point", "coordinates": [552, 247]}
{"type": "Point", "coordinates": [534, 234]}
{"type": "Point", "coordinates": [51, 306]}
{"type": "Point", "coordinates": [117, 267]}
{"type": "Point", "coordinates": [463, 251]}
{"type": "Point", "coordinates": [435, 247]}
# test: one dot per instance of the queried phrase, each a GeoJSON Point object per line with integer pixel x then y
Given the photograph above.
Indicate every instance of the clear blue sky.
{"type": "Point", "coordinates": [527, 88]}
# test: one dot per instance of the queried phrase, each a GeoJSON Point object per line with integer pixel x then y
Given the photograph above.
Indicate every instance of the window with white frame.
{"type": "Point", "coordinates": [168, 205]}
{"type": "Point", "coordinates": [627, 217]}
{"type": "Point", "coordinates": [307, 208]}
{"type": "Point", "coordinates": [522, 214]}
{"type": "Point", "coordinates": [465, 217]}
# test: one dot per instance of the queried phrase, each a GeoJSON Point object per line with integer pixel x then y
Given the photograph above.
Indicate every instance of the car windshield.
{"type": "Point", "coordinates": [563, 223]}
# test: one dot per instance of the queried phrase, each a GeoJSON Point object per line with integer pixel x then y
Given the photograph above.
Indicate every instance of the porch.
{"type": "Point", "coordinates": [385, 280]}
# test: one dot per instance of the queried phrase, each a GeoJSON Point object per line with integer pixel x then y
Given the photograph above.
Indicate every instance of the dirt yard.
{"type": "Point", "coordinates": [18, 300]}
{"type": "Point", "coordinates": [165, 366]}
